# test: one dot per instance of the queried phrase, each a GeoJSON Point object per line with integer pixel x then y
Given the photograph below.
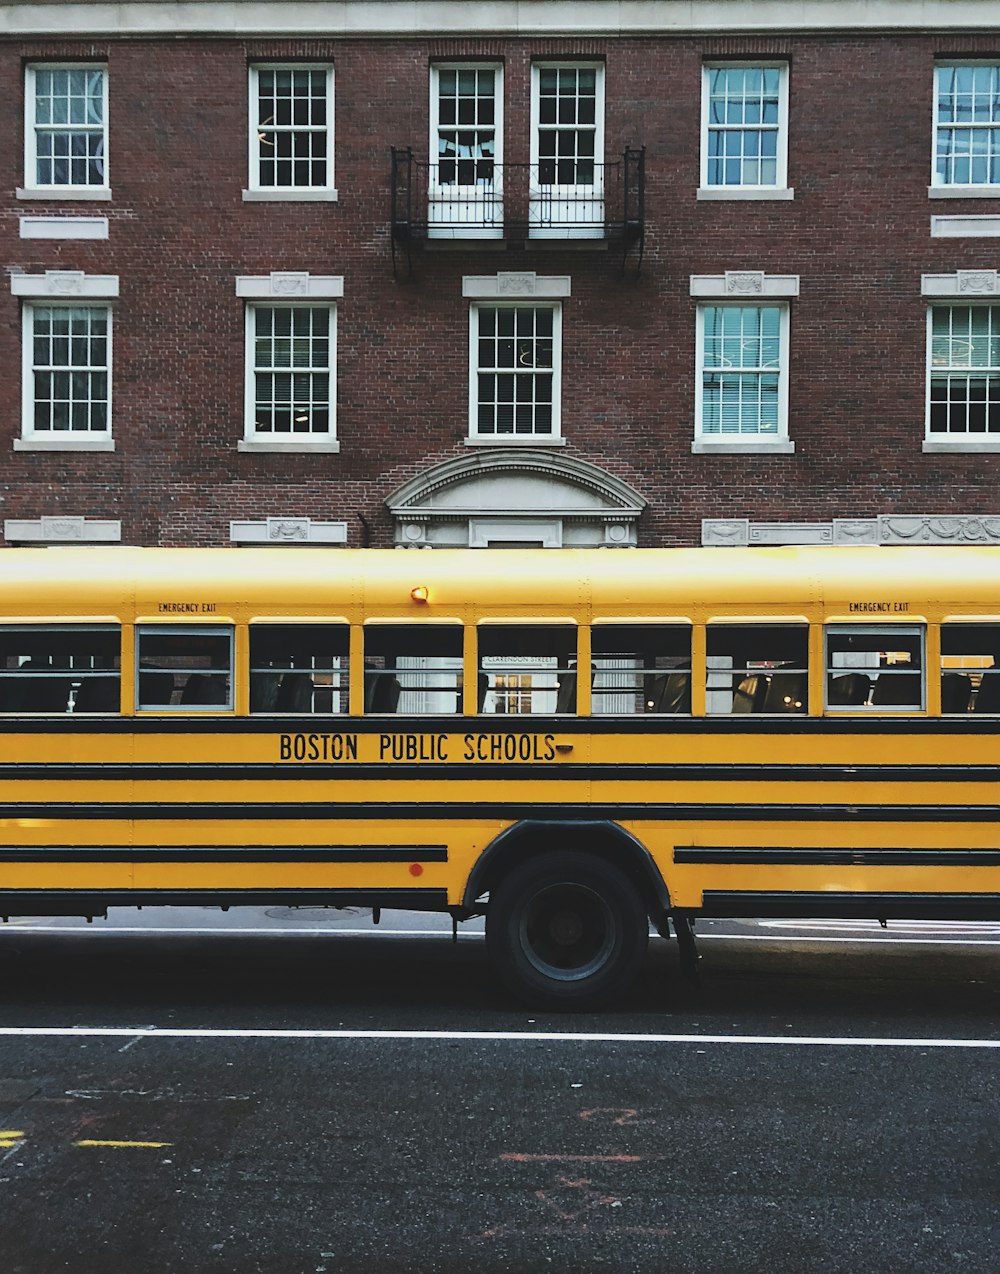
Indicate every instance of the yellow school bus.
{"type": "Point", "coordinates": [572, 743]}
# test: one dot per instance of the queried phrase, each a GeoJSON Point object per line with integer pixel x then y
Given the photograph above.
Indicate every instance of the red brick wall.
{"type": "Point", "coordinates": [857, 232]}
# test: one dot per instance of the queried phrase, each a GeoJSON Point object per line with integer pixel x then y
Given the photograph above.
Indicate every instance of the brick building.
{"type": "Point", "coordinates": [570, 272]}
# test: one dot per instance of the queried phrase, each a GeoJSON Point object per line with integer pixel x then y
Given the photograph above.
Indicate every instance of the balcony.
{"type": "Point", "coordinates": [556, 201]}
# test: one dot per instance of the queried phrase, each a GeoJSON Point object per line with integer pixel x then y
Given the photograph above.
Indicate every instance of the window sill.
{"type": "Point", "coordinates": [298, 447]}
{"type": "Point", "coordinates": [752, 447]}
{"type": "Point", "coordinates": [290, 196]}
{"type": "Point", "coordinates": [517, 440]}
{"type": "Point", "coordinates": [86, 193]}
{"type": "Point", "coordinates": [963, 192]}
{"type": "Point", "coordinates": [747, 193]}
{"type": "Point", "coordinates": [968, 445]}
{"type": "Point", "coordinates": [64, 444]}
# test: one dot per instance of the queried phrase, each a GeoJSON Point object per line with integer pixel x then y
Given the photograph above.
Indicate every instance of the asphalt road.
{"type": "Point", "coordinates": [274, 1092]}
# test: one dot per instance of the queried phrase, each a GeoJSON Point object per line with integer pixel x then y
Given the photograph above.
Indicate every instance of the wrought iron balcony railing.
{"type": "Point", "coordinates": [478, 199]}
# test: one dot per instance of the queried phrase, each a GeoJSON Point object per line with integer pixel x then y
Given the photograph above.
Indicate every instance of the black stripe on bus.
{"type": "Point", "coordinates": [84, 902]}
{"type": "Point", "coordinates": [766, 855]}
{"type": "Point", "coordinates": [750, 724]}
{"type": "Point", "coordinates": [502, 811]}
{"type": "Point", "coordinates": [850, 906]}
{"type": "Point", "coordinates": [462, 772]}
{"type": "Point", "coordinates": [225, 854]}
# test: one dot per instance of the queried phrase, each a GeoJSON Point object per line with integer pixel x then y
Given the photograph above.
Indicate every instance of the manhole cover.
{"type": "Point", "coordinates": [311, 915]}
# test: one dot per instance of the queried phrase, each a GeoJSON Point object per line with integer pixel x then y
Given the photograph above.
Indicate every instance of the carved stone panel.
{"type": "Point", "coordinates": [929, 529]}
{"type": "Point", "coordinates": [719, 532]}
{"type": "Point", "coordinates": [855, 530]}
{"type": "Point", "coordinates": [790, 533]}
{"type": "Point", "coordinates": [516, 284]}
{"type": "Point", "coordinates": [744, 282]}
{"type": "Point", "coordinates": [60, 529]}
{"type": "Point", "coordinates": [978, 282]}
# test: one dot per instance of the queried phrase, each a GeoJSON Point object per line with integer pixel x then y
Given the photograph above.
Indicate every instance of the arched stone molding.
{"type": "Point", "coordinates": [523, 497]}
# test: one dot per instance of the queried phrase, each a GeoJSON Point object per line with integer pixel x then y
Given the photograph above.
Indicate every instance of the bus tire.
{"type": "Point", "coordinates": [566, 931]}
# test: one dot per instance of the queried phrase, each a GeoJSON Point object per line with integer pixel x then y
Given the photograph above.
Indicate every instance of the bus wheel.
{"type": "Point", "coordinates": [566, 931]}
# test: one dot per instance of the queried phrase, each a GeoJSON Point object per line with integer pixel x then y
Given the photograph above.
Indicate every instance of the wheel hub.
{"type": "Point", "coordinates": [566, 928]}
{"type": "Point", "coordinates": [567, 931]}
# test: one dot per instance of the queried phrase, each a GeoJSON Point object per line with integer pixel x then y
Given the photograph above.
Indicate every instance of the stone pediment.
{"type": "Point", "coordinates": [518, 495]}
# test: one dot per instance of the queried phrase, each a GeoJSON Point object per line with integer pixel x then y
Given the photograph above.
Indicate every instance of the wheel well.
{"type": "Point", "coordinates": [602, 839]}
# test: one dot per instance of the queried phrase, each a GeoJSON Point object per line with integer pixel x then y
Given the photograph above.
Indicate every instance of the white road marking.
{"type": "Point", "coordinates": [225, 932]}
{"type": "Point", "coordinates": [527, 1037]}
{"type": "Point", "coordinates": [888, 937]}
{"type": "Point", "coordinates": [895, 926]}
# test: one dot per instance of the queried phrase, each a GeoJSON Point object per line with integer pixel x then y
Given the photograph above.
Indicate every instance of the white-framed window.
{"type": "Point", "coordinates": [966, 126]}
{"type": "Point", "coordinates": [742, 381]}
{"type": "Point", "coordinates": [515, 356]}
{"type": "Point", "coordinates": [291, 130]}
{"type": "Point", "coordinates": [291, 373]}
{"type": "Point", "coordinates": [566, 188]}
{"type": "Point", "coordinates": [66, 372]}
{"type": "Point", "coordinates": [465, 188]}
{"type": "Point", "coordinates": [744, 108]}
{"type": "Point", "coordinates": [963, 373]}
{"type": "Point", "coordinates": [66, 127]}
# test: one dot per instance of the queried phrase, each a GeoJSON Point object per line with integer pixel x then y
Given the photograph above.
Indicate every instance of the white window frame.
{"type": "Point", "coordinates": [516, 439]}
{"type": "Point", "coordinates": [971, 442]}
{"type": "Point", "coordinates": [940, 189]}
{"type": "Point", "coordinates": [551, 208]}
{"type": "Point", "coordinates": [67, 190]}
{"type": "Point", "coordinates": [478, 211]}
{"type": "Point", "coordinates": [258, 192]}
{"type": "Point", "coordinates": [743, 443]}
{"type": "Point", "coordinates": [33, 439]}
{"type": "Point", "coordinates": [276, 442]}
{"type": "Point", "coordinates": [779, 188]}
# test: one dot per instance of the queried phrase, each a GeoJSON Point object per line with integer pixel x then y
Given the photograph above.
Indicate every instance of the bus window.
{"type": "Point", "coordinates": [413, 669]}
{"type": "Point", "coordinates": [641, 668]}
{"type": "Point", "coordinates": [184, 669]}
{"type": "Point", "coordinates": [874, 668]}
{"type": "Point", "coordinates": [299, 668]}
{"type": "Point", "coordinates": [970, 668]}
{"type": "Point", "coordinates": [527, 670]}
{"type": "Point", "coordinates": [66, 669]}
{"type": "Point", "coordinates": [760, 668]}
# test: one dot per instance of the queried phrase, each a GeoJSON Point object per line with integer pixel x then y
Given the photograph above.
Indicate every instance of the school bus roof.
{"type": "Point", "coordinates": [551, 583]}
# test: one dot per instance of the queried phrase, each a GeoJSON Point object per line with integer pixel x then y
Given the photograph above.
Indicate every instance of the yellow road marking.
{"type": "Point", "coordinates": [127, 1145]}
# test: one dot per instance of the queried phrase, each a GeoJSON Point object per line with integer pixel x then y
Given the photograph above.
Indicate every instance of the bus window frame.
{"type": "Point", "coordinates": [69, 624]}
{"type": "Point", "coordinates": [409, 620]}
{"type": "Point", "coordinates": [283, 621]}
{"type": "Point", "coordinates": [214, 628]}
{"type": "Point", "coordinates": [911, 624]}
{"type": "Point", "coordinates": [963, 621]}
{"type": "Point", "coordinates": [582, 651]}
{"type": "Point", "coordinates": [642, 621]}
{"type": "Point", "coordinates": [717, 622]}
